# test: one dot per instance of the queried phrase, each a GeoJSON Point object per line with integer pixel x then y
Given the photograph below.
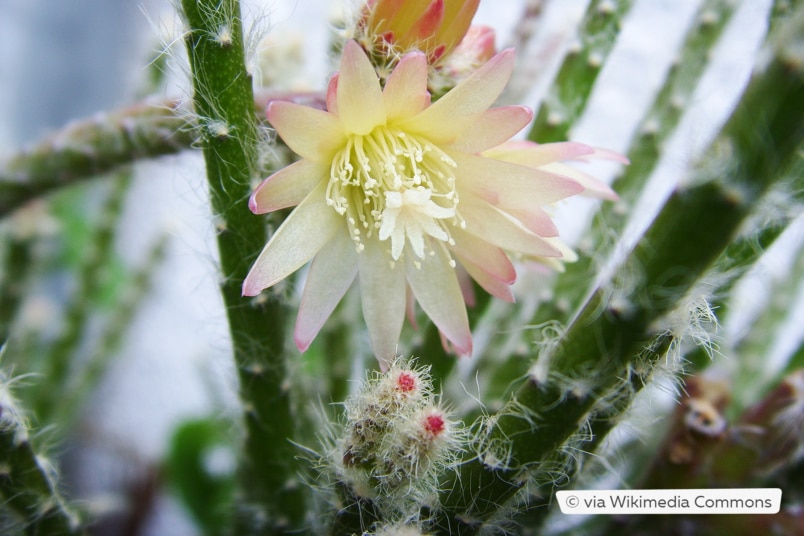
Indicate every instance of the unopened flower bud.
{"type": "Point", "coordinates": [387, 29]}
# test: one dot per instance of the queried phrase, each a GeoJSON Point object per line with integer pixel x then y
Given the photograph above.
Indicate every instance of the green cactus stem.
{"type": "Point", "coordinates": [136, 289]}
{"type": "Point", "coordinates": [92, 147]}
{"type": "Point", "coordinates": [617, 322]}
{"type": "Point", "coordinates": [27, 484]}
{"type": "Point", "coordinates": [566, 100]}
{"type": "Point", "coordinates": [97, 256]}
{"type": "Point", "coordinates": [270, 499]}
{"type": "Point", "coordinates": [659, 123]}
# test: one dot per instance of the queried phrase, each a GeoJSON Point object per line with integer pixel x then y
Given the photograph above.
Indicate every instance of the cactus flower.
{"type": "Point", "coordinates": [435, 27]}
{"type": "Point", "coordinates": [400, 192]}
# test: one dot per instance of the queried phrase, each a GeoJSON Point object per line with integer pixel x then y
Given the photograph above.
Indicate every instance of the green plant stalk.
{"type": "Point", "coordinates": [644, 152]}
{"type": "Point", "coordinates": [732, 265]}
{"type": "Point", "coordinates": [270, 498]}
{"type": "Point", "coordinates": [26, 486]}
{"type": "Point", "coordinates": [92, 147]}
{"type": "Point", "coordinates": [613, 327]}
{"type": "Point", "coordinates": [103, 143]}
{"type": "Point", "coordinates": [98, 254]}
{"type": "Point", "coordinates": [751, 377]}
{"type": "Point", "coordinates": [83, 382]}
{"type": "Point", "coordinates": [600, 424]}
{"type": "Point", "coordinates": [796, 360]}
{"type": "Point", "coordinates": [17, 258]}
{"type": "Point", "coordinates": [738, 256]}
{"type": "Point", "coordinates": [659, 123]}
{"type": "Point", "coordinates": [567, 97]}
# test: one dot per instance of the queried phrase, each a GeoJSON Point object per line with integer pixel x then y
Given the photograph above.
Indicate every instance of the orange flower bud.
{"type": "Point", "coordinates": [394, 27]}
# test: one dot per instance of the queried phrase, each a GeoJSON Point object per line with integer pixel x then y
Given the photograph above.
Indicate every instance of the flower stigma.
{"type": "Point", "coordinates": [396, 184]}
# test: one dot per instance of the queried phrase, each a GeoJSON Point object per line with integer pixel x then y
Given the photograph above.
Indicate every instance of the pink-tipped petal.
{"type": "Point", "coordinates": [287, 187]}
{"type": "Point", "coordinates": [593, 187]}
{"type": "Point", "coordinates": [509, 185]}
{"type": "Point", "coordinates": [313, 134]}
{"type": "Point", "coordinates": [332, 94]}
{"type": "Point", "coordinates": [382, 289]}
{"type": "Point", "coordinates": [308, 228]}
{"type": "Point", "coordinates": [528, 153]}
{"type": "Point", "coordinates": [557, 264]}
{"type": "Point", "coordinates": [492, 285]}
{"type": "Point", "coordinates": [535, 219]}
{"type": "Point", "coordinates": [360, 102]}
{"type": "Point", "coordinates": [405, 92]}
{"type": "Point", "coordinates": [493, 127]}
{"type": "Point", "coordinates": [449, 116]}
{"type": "Point", "coordinates": [493, 260]}
{"type": "Point", "coordinates": [606, 154]}
{"type": "Point", "coordinates": [467, 289]}
{"type": "Point", "coordinates": [436, 288]}
{"type": "Point", "coordinates": [491, 224]}
{"type": "Point", "coordinates": [330, 276]}
{"type": "Point", "coordinates": [567, 254]}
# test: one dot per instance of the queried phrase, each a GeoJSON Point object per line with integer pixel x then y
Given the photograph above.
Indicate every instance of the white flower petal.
{"type": "Point", "coordinates": [405, 92]}
{"type": "Point", "coordinates": [297, 240]}
{"type": "Point", "coordinates": [449, 116]}
{"type": "Point", "coordinates": [311, 133]}
{"type": "Point", "coordinates": [360, 101]}
{"type": "Point", "coordinates": [528, 153]}
{"type": "Point", "coordinates": [494, 226]}
{"type": "Point", "coordinates": [509, 185]}
{"type": "Point", "coordinates": [489, 283]}
{"type": "Point", "coordinates": [535, 219]}
{"type": "Point", "coordinates": [330, 276]}
{"type": "Point", "coordinates": [382, 289]}
{"type": "Point", "coordinates": [594, 187]}
{"type": "Point", "coordinates": [493, 127]}
{"type": "Point", "coordinates": [287, 187]}
{"type": "Point", "coordinates": [492, 259]}
{"type": "Point", "coordinates": [436, 288]}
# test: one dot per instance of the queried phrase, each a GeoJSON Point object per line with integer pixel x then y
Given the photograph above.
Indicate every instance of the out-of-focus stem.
{"type": "Point", "coordinates": [80, 386]}
{"type": "Point", "coordinates": [27, 486]}
{"type": "Point", "coordinates": [92, 147]}
{"type": "Point", "coordinates": [107, 141]}
{"type": "Point", "coordinates": [657, 126]}
{"type": "Point", "coordinates": [613, 328]}
{"type": "Point", "coordinates": [271, 499]}
{"type": "Point", "coordinates": [567, 98]}
{"type": "Point", "coordinates": [17, 257]}
{"type": "Point", "coordinates": [90, 279]}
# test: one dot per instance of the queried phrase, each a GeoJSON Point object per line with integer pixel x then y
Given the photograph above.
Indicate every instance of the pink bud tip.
{"type": "Point", "coordinates": [406, 382]}
{"type": "Point", "coordinates": [434, 424]}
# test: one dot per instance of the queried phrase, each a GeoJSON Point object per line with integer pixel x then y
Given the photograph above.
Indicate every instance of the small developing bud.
{"type": "Point", "coordinates": [434, 424]}
{"type": "Point", "coordinates": [406, 382]}
{"type": "Point", "coordinates": [396, 439]}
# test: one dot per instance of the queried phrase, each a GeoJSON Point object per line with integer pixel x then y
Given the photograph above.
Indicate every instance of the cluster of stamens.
{"type": "Point", "coordinates": [397, 185]}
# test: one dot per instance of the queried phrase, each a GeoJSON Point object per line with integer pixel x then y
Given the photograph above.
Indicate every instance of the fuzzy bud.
{"type": "Point", "coordinates": [397, 439]}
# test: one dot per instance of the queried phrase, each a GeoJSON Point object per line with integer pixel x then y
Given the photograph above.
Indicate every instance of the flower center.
{"type": "Point", "coordinates": [398, 185]}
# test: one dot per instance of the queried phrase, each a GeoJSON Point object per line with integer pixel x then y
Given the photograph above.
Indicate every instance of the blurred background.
{"type": "Point", "coordinates": [63, 61]}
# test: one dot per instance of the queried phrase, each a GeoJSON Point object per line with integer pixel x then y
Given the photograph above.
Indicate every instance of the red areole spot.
{"type": "Point", "coordinates": [406, 382]}
{"type": "Point", "coordinates": [434, 424]}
